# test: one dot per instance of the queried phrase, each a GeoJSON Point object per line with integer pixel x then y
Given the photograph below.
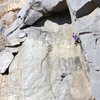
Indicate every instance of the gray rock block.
{"type": "Point", "coordinates": [5, 60]}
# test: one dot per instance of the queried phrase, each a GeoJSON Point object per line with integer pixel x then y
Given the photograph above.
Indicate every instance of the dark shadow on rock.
{"type": "Point", "coordinates": [6, 72]}
{"type": "Point", "coordinates": [97, 2]}
{"type": "Point", "coordinates": [88, 8]}
{"type": "Point", "coordinates": [82, 33]}
{"type": "Point", "coordinates": [61, 6]}
{"type": "Point", "coordinates": [59, 18]}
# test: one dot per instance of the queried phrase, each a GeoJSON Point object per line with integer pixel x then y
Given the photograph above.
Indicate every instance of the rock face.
{"type": "Point", "coordinates": [47, 65]}
{"type": "Point", "coordinates": [5, 60]}
{"type": "Point", "coordinates": [33, 11]}
{"type": "Point", "coordinates": [84, 15]}
{"type": "Point", "coordinates": [86, 21]}
{"type": "Point", "coordinates": [42, 62]}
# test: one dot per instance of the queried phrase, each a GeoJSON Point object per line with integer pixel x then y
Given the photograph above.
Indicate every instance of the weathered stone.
{"type": "Point", "coordinates": [33, 11]}
{"type": "Point", "coordinates": [86, 21]}
{"type": "Point", "coordinates": [79, 86]}
{"type": "Point", "coordinates": [7, 21]}
{"type": "Point", "coordinates": [83, 15]}
{"type": "Point", "coordinates": [12, 49]}
{"type": "Point", "coordinates": [45, 56]}
{"type": "Point", "coordinates": [9, 5]}
{"type": "Point", "coordinates": [91, 45]}
{"type": "Point", "coordinates": [3, 42]}
{"type": "Point", "coordinates": [22, 35]}
{"type": "Point", "coordinates": [51, 29]}
{"type": "Point", "coordinates": [48, 63]}
{"type": "Point", "coordinates": [5, 60]}
{"type": "Point", "coordinates": [13, 27]}
{"type": "Point", "coordinates": [32, 18]}
{"type": "Point", "coordinates": [16, 38]}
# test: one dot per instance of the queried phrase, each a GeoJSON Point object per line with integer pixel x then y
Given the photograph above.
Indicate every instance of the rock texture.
{"type": "Point", "coordinates": [48, 63]}
{"type": "Point", "coordinates": [9, 5]}
{"type": "Point", "coordinates": [33, 11]}
{"type": "Point", "coordinates": [5, 60]}
{"type": "Point", "coordinates": [86, 21]}
{"type": "Point", "coordinates": [41, 62]}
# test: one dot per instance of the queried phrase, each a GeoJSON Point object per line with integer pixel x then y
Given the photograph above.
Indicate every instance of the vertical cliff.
{"type": "Point", "coordinates": [38, 56]}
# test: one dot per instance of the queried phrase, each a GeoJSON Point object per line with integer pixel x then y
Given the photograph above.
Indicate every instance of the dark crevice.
{"type": "Point", "coordinates": [82, 33]}
{"type": "Point", "coordinates": [25, 26]}
{"type": "Point", "coordinates": [15, 53]}
{"type": "Point", "coordinates": [63, 76]}
{"type": "Point", "coordinates": [14, 10]}
{"type": "Point", "coordinates": [97, 2]}
{"type": "Point", "coordinates": [94, 99]}
{"type": "Point", "coordinates": [61, 6]}
{"type": "Point", "coordinates": [6, 72]}
{"type": "Point", "coordinates": [15, 46]}
{"type": "Point", "coordinates": [88, 8]}
{"type": "Point", "coordinates": [97, 70]}
{"type": "Point", "coordinates": [81, 46]}
{"type": "Point", "coordinates": [57, 17]}
{"type": "Point", "coordinates": [97, 40]}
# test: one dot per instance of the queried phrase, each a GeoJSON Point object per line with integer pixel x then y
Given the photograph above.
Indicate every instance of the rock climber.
{"type": "Point", "coordinates": [76, 38]}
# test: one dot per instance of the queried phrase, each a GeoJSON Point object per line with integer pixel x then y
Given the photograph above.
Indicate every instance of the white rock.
{"type": "Point", "coordinates": [12, 50]}
{"type": "Point", "coordinates": [86, 19]}
{"type": "Point", "coordinates": [22, 35]}
{"type": "Point", "coordinates": [13, 42]}
{"type": "Point", "coordinates": [47, 54]}
{"type": "Point", "coordinates": [51, 27]}
{"type": "Point", "coordinates": [5, 60]}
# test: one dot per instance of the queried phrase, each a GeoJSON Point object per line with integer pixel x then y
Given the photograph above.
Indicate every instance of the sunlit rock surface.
{"type": "Point", "coordinates": [48, 63]}
{"type": "Point", "coordinates": [39, 60]}
{"type": "Point", "coordinates": [86, 21]}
